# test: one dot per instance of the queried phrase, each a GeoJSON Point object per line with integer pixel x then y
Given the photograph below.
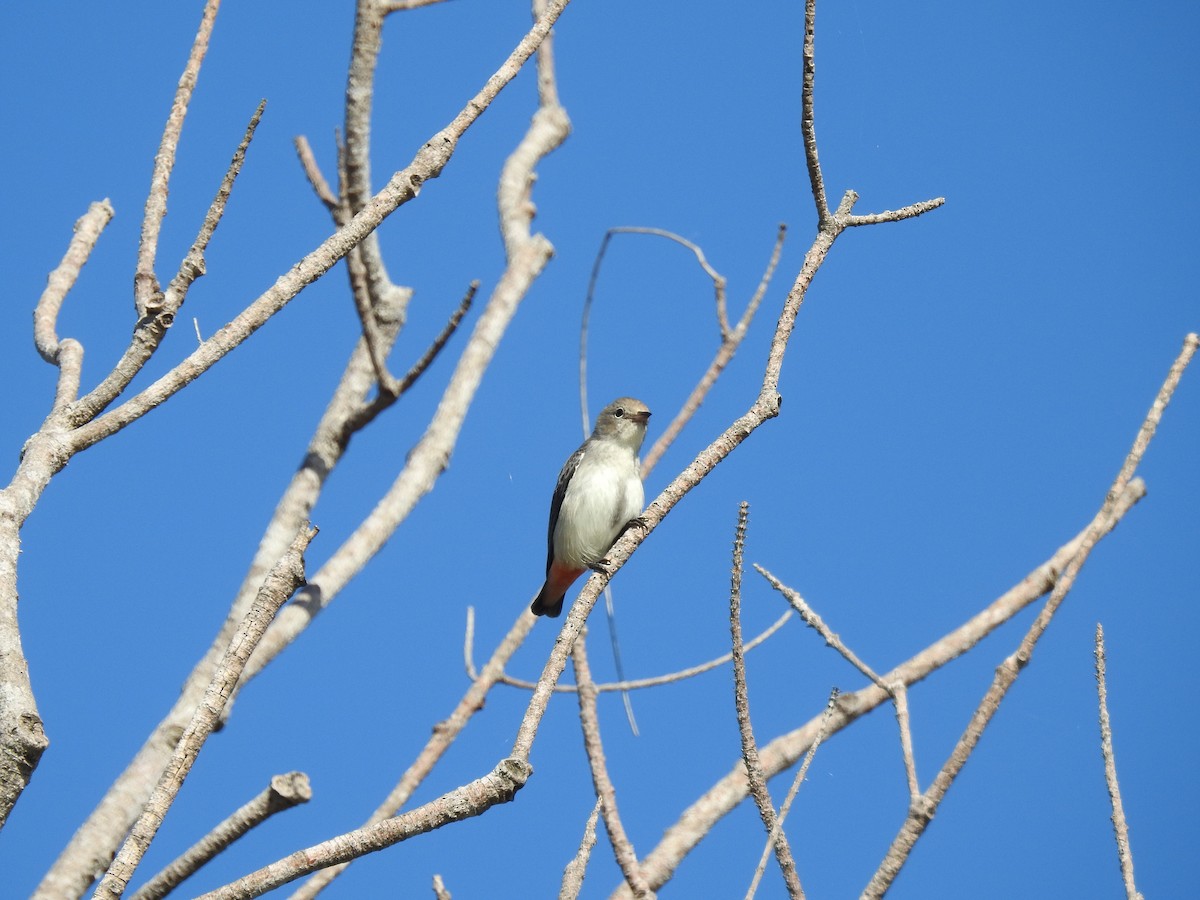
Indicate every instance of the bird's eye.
{"type": "Point", "coordinates": [619, 411]}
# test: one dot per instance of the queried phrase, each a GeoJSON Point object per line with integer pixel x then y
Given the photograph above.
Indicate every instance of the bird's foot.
{"type": "Point", "coordinates": [638, 522]}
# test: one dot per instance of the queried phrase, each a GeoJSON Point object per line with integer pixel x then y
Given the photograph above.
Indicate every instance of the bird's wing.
{"type": "Point", "coordinates": [560, 491]}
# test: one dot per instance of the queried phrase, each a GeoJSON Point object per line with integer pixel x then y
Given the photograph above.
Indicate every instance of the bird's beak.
{"type": "Point", "coordinates": [641, 417]}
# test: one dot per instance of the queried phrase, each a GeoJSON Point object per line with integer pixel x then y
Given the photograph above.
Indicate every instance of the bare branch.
{"type": "Point", "coordinates": [791, 796]}
{"type": "Point", "coordinates": [527, 256]}
{"type": "Point", "coordinates": [152, 327]}
{"type": "Point", "coordinates": [192, 266]}
{"type": "Point", "coordinates": [439, 889]}
{"type": "Point", "coordinates": [403, 186]}
{"type": "Point", "coordinates": [391, 6]}
{"type": "Point", "coordinates": [808, 126]}
{"type": "Point", "coordinates": [785, 751]}
{"type": "Point", "coordinates": [896, 215]}
{"type": "Point", "coordinates": [284, 792]}
{"type": "Point", "coordinates": [741, 702]}
{"type": "Point", "coordinates": [573, 874]}
{"type": "Point", "coordinates": [1120, 824]}
{"type": "Point", "coordinates": [634, 685]}
{"type": "Point", "coordinates": [91, 848]}
{"type": "Point", "coordinates": [444, 734]}
{"type": "Point", "coordinates": [1008, 671]}
{"type": "Point", "coordinates": [287, 575]}
{"type": "Point", "coordinates": [473, 799]}
{"type": "Point", "coordinates": [605, 792]}
{"type": "Point", "coordinates": [88, 229]}
{"type": "Point", "coordinates": [431, 353]}
{"type": "Point", "coordinates": [67, 355]}
{"type": "Point", "coordinates": [313, 173]}
{"type": "Point", "coordinates": [147, 297]}
{"type": "Point", "coordinates": [896, 689]}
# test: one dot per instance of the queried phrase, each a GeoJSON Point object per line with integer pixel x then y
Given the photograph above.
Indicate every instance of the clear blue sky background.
{"type": "Point", "coordinates": [959, 393]}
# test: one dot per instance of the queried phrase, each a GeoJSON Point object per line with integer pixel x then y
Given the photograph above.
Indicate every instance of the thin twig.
{"type": "Point", "coordinates": [897, 690]}
{"type": "Point", "coordinates": [576, 870]}
{"type": "Point", "coordinates": [637, 684]}
{"type": "Point", "coordinates": [312, 172]}
{"type": "Point", "coordinates": [193, 266]}
{"type": "Point", "coordinates": [374, 286]}
{"type": "Point", "coordinates": [147, 297]}
{"type": "Point", "coordinates": [391, 6]}
{"type": "Point", "coordinates": [388, 394]}
{"type": "Point", "coordinates": [791, 796]}
{"type": "Point", "coordinates": [284, 792]}
{"type": "Point", "coordinates": [431, 353]}
{"type": "Point", "coordinates": [730, 342]}
{"type": "Point", "coordinates": [605, 791]}
{"type": "Point", "coordinates": [439, 889]}
{"type": "Point", "coordinates": [896, 215]}
{"type": "Point", "coordinates": [1120, 824]}
{"type": "Point", "coordinates": [754, 773]}
{"type": "Point", "coordinates": [160, 315]}
{"type": "Point", "coordinates": [808, 125]}
{"type": "Point", "coordinates": [614, 642]}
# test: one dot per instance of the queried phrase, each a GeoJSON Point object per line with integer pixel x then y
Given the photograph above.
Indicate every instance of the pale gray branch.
{"type": "Point", "coordinates": [1120, 823]}
{"type": "Point", "coordinates": [573, 874]}
{"type": "Point", "coordinates": [284, 792]}
{"type": "Point", "coordinates": [283, 580]}
{"type": "Point", "coordinates": [146, 293]}
{"type": "Point", "coordinates": [741, 700]}
{"type": "Point", "coordinates": [473, 799]}
{"type": "Point", "coordinates": [633, 685]}
{"type": "Point", "coordinates": [786, 750]}
{"type": "Point", "coordinates": [791, 796]}
{"type": "Point", "coordinates": [606, 792]}
{"type": "Point", "coordinates": [922, 811]}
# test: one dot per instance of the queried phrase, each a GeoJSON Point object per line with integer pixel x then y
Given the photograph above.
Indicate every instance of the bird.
{"type": "Point", "coordinates": [599, 493]}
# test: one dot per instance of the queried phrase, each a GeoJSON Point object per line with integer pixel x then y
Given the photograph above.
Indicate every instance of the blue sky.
{"type": "Point", "coordinates": [959, 393]}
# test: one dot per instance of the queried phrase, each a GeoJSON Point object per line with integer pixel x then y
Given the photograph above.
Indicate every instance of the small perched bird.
{"type": "Point", "coordinates": [599, 493]}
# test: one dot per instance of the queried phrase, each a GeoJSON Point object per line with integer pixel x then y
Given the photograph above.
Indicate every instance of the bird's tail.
{"type": "Point", "coordinates": [559, 578]}
{"type": "Point", "coordinates": [545, 605]}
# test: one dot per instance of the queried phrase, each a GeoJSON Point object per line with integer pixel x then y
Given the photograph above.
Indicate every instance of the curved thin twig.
{"type": "Point", "coordinates": [634, 685]}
